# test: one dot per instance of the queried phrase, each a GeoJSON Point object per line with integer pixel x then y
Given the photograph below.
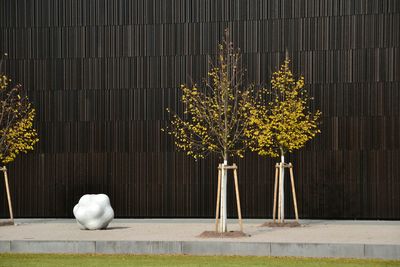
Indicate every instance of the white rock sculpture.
{"type": "Point", "coordinates": [93, 212]}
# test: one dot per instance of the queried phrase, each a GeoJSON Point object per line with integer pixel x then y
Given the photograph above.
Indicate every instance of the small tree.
{"type": "Point", "coordinates": [16, 121]}
{"type": "Point", "coordinates": [16, 126]}
{"type": "Point", "coordinates": [215, 115]}
{"type": "Point", "coordinates": [281, 122]}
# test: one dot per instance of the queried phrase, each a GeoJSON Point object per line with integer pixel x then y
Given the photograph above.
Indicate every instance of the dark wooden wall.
{"type": "Point", "coordinates": [102, 72]}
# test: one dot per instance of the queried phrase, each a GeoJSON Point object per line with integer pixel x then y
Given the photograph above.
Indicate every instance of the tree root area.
{"type": "Point", "coordinates": [230, 234]}
{"type": "Point", "coordinates": [6, 222]}
{"type": "Point", "coordinates": [284, 224]}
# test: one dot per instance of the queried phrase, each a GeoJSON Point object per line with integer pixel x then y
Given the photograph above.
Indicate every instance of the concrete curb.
{"type": "Point", "coordinates": [318, 250]}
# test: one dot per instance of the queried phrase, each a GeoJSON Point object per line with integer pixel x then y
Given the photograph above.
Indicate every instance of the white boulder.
{"type": "Point", "coordinates": [93, 212]}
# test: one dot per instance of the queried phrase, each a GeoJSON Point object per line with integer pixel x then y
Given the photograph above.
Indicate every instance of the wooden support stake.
{"type": "Point", "coordinates": [275, 191]}
{"type": "Point", "coordinates": [217, 213]}
{"type": "Point", "coordinates": [4, 169]}
{"type": "Point", "coordinates": [277, 188]}
{"type": "Point", "coordinates": [237, 197]}
{"type": "Point", "coordinates": [293, 191]}
{"type": "Point", "coordinates": [218, 198]}
{"type": "Point", "coordinates": [279, 194]}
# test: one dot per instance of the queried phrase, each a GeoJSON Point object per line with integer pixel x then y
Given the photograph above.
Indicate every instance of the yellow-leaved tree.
{"type": "Point", "coordinates": [281, 121]}
{"type": "Point", "coordinates": [215, 114]}
{"type": "Point", "coordinates": [17, 134]}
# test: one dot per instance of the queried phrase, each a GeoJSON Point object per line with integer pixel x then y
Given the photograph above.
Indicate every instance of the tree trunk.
{"type": "Point", "coordinates": [223, 222]}
{"type": "Point", "coordinates": [282, 188]}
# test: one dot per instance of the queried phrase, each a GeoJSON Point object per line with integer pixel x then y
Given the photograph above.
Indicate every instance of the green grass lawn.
{"type": "Point", "coordinates": [59, 260]}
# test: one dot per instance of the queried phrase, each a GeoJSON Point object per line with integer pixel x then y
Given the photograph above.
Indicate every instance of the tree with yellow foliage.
{"type": "Point", "coordinates": [215, 115]}
{"type": "Point", "coordinates": [284, 123]}
{"type": "Point", "coordinates": [17, 133]}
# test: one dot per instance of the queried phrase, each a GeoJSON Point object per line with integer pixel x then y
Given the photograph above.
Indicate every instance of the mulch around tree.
{"type": "Point", "coordinates": [6, 222]}
{"type": "Point", "coordinates": [230, 234]}
{"type": "Point", "coordinates": [284, 224]}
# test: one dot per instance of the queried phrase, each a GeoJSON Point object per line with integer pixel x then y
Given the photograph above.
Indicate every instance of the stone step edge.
{"type": "Point", "coordinates": [318, 250]}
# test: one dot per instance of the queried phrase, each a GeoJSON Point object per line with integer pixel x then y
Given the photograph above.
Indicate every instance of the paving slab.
{"type": "Point", "coordinates": [317, 250]}
{"type": "Point", "coordinates": [40, 246]}
{"type": "Point", "coordinates": [315, 238]}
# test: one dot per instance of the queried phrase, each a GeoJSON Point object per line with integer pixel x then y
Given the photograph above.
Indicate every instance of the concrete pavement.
{"type": "Point", "coordinates": [315, 238]}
